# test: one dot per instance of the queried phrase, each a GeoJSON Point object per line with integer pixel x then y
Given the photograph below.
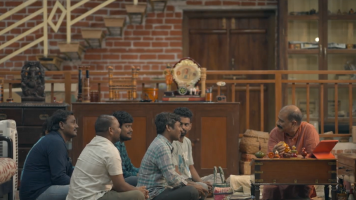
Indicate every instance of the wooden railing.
{"type": "Point", "coordinates": [275, 77]}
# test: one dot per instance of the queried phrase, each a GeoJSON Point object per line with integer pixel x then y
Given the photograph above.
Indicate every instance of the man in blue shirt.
{"type": "Point", "coordinates": [47, 169]}
{"type": "Point", "coordinates": [129, 171]}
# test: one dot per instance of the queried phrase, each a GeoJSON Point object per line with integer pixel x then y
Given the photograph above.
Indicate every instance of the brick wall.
{"type": "Point", "coordinates": [151, 46]}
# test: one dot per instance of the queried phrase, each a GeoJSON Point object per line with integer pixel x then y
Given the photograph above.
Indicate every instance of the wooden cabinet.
{"type": "Point", "coordinates": [319, 35]}
{"type": "Point", "coordinates": [29, 118]}
{"type": "Point", "coordinates": [288, 171]}
{"type": "Point", "coordinates": [214, 133]}
{"type": "Point", "coordinates": [346, 167]}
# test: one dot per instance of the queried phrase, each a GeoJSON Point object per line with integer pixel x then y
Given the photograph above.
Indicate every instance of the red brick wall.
{"type": "Point", "coordinates": [151, 45]}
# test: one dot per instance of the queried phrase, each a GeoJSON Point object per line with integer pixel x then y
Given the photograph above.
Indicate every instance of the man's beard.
{"type": "Point", "coordinates": [183, 133]}
{"type": "Point", "coordinates": [123, 139]}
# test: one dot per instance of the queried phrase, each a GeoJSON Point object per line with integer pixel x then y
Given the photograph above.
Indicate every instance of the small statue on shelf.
{"type": "Point", "coordinates": [304, 152]}
{"type": "Point", "coordinates": [168, 72]}
{"type": "Point", "coordinates": [339, 12]}
{"type": "Point", "coordinates": [294, 152]}
{"type": "Point", "coordinates": [276, 155]}
{"type": "Point", "coordinates": [270, 155]}
{"type": "Point", "coordinates": [259, 154]}
{"type": "Point", "coordinates": [351, 11]}
{"type": "Point", "coordinates": [287, 149]}
{"type": "Point", "coordinates": [32, 82]}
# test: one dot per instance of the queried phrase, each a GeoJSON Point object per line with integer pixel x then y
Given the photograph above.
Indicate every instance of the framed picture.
{"type": "Point", "coordinates": [186, 73]}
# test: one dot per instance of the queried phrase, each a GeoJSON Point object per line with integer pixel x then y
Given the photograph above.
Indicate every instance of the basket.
{"type": "Point", "coordinates": [221, 190]}
{"type": "Point", "coordinates": [251, 140]}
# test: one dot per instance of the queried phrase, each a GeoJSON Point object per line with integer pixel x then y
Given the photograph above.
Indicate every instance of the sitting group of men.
{"type": "Point", "coordinates": [104, 171]}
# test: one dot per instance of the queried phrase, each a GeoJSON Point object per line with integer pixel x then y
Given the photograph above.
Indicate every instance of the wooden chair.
{"type": "Point", "coordinates": [117, 84]}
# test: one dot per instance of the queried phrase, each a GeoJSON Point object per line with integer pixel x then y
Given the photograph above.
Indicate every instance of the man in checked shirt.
{"type": "Point", "coordinates": [157, 172]}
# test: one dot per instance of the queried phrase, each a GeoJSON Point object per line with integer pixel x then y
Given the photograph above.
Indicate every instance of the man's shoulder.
{"type": "Point", "coordinates": [158, 145]}
{"type": "Point", "coordinates": [308, 127]}
{"type": "Point", "coordinates": [275, 131]}
{"type": "Point", "coordinates": [52, 140]}
{"type": "Point", "coordinates": [187, 140]}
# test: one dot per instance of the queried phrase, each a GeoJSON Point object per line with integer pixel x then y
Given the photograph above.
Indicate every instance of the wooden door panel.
{"type": "Point", "coordinates": [242, 40]}
{"type": "Point", "coordinates": [210, 23]}
{"type": "Point", "coordinates": [88, 129]}
{"type": "Point", "coordinates": [136, 147]}
{"type": "Point", "coordinates": [250, 52]}
{"type": "Point", "coordinates": [213, 142]}
{"type": "Point", "coordinates": [218, 140]}
{"type": "Point", "coordinates": [209, 50]}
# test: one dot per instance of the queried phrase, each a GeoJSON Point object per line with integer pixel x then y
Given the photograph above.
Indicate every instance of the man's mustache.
{"type": "Point", "coordinates": [279, 126]}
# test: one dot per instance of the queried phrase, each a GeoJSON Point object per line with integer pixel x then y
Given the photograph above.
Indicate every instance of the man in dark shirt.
{"type": "Point", "coordinates": [128, 169]}
{"type": "Point", "coordinates": [47, 169]}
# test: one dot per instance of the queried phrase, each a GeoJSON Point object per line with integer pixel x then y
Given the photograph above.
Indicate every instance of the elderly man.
{"type": "Point", "coordinates": [294, 132]}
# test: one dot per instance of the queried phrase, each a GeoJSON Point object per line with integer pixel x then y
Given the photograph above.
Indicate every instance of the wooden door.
{"type": "Point", "coordinates": [234, 41]}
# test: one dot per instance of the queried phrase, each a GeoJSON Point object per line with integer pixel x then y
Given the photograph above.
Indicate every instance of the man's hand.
{"type": "Point", "coordinates": [144, 191]}
{"type": "Point", "coordinates": [279, 147]}
{"type": "Point", "coordinates": [210, 186]}
{"type": "Point", "coordinates": [201, 190]}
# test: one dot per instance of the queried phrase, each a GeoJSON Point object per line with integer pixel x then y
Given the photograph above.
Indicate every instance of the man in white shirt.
{"type": "Point", "coordinates": [98, 171]}
{"type": "Point", "coordinates": [182, 150]}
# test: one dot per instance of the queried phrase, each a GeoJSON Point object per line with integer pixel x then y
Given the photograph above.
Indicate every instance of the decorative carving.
{"type": "Point", "coordinates": [32, 82]}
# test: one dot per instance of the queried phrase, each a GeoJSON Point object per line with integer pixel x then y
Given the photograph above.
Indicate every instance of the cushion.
{"type": "Point", "coordinates": [8, 168]}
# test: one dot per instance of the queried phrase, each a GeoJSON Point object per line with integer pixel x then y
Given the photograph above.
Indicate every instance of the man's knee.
{"type": "Point", "coordinates": [137, 195]}
{"type": "Point", "coordinates": [193, 193]}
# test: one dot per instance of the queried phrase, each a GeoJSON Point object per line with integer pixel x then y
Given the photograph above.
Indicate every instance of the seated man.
{"type": "Point", "coordinates": [157, 171]}
{"type": "Point", "coordinates": [294, 132]}
{"type": "Point", "coordinates": [182, 150]}
{"type": "Point", "coordinates": [130, 171]}
{"type": "Point", "coordinates": [98, 171]}
{"type": "Point", "coordinates": [47, 169]}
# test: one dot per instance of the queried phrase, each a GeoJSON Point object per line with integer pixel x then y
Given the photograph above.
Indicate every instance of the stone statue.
{"type": "Point", "coordinates": [32, 82]}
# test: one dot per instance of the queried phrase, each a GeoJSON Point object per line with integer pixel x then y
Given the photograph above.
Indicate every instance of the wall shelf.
{"type": "Point", "coordinates": [113, 23]}
{"type": "Point", "coordinates": [92, 35]}
{"type": "Point", "coordinates": [136, 10]}
{"type": "Point", "coordinates": [50, 62]}
{"type": "Point", "coordinates": [73, 51]}
{"type": "Point", "coordinates": [155, 2]}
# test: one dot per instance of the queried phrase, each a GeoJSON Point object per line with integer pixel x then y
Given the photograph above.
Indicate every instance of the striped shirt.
{"type": "Point", "coordinates": [157, 172]}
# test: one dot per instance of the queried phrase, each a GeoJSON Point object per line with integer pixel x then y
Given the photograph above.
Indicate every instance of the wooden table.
{"type": "Point", "coordinates": [299, 171]}
{"type": "Point", "coordinates": [346, 168]}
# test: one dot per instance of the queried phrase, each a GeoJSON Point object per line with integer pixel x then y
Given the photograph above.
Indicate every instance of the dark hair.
{"type": "Point", "coordinates": [103, 123]}
{"type": "Point", "coordinates": [183, 112]}
{"type": "Point", "coordinates": [123, 117]}
{"type": "Point", "coordinates": [165, 118]}
{"type": "Point", "coordinates": [295, 115]}
{"type": "Point", "coordinates": [45, 126]}
{"type": "Point", "coordinates": [56, 118]}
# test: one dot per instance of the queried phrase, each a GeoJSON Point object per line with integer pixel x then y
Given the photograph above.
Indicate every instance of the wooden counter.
{"type": "Point", "coordinates": [214, 134]}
